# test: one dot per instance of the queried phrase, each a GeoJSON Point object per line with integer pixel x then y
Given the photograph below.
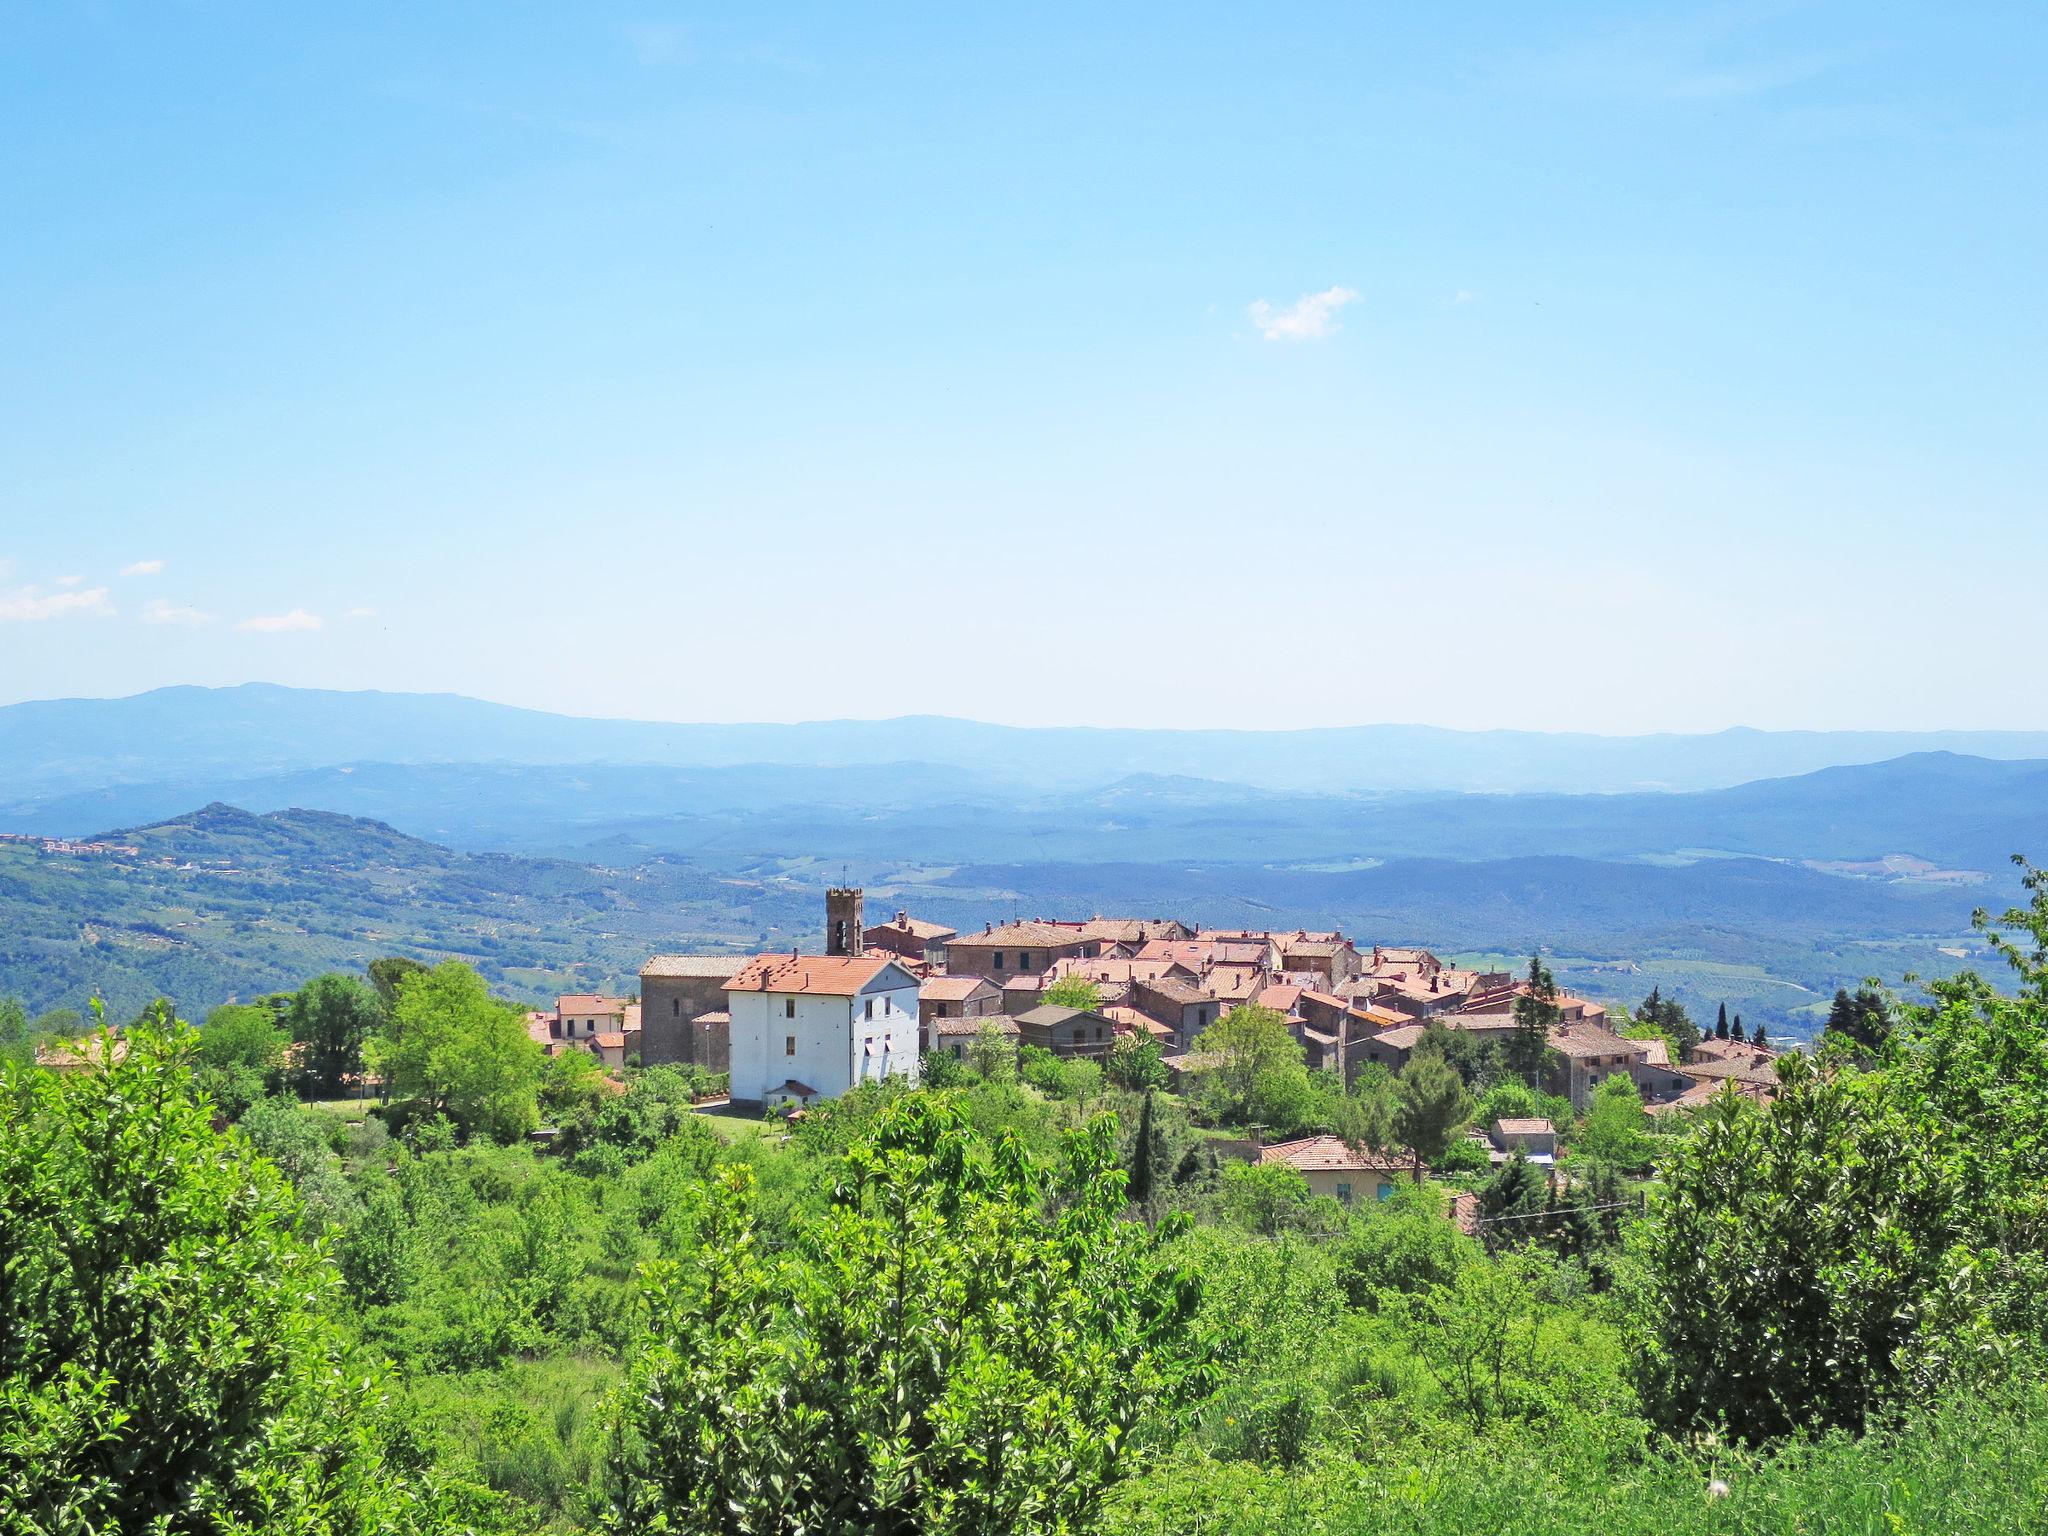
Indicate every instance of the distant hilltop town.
{"type": "Point", "coordinates": [793, 1027]}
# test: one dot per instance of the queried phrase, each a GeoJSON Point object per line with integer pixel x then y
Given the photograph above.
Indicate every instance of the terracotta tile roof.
{"type": "Point", "coordinates": [610, 1039]}
{"type": "Point", "coordinates": [716, 1016]}
{"type": "Point", "coordinates": [1234, 981]}
{"type": "Point", "coordinates": [815, 975]}
{"type": "Point", "coordinates": [580, 1003]}
{"type": "Point", "coordinates": [1115, 968]}
{"type": "Point", "coordinates": [1400, 1039]}
{"type": "Point", "coordinates": [1049, 1015]}
{"type": "Point", "coordinates": [1131, 930]}
{"type": "Point", "coordinates": [1332, 1154]}
{"type": "Point", "coordinates": [1521, 1127]}
{"type": "Point", "coordinates": [1376, 1017]}
{"type": "Point", "coordinates": [1198, 951]}
{"type": "Point", "coordinates": [1464, 1212]}
{"type": "Point", "coordinates": [903, 922]}
{"type": "Point", "coordinates": [1128, 1019]}
{"type": "Point", "coordinates": [973, 1024]}
{"type": "Point", "coordinates": [1020, 936]}
{"type": "Point", "coordinates": [1281, 999]}
{"type": "Point", "coordinates": [1319, 948]}
{"type": "Point", "coordinates": [1760, 1073]}
{"type": "Point", "coordinates": [695, 966]}
{"type": "Point", "coordinates": [1658, 1052]}
{"type": "Point", "coordinates": [952, 989]}
{"type": "Point", "coordinates": [1176, 990]}
{"type": "Point", "coordinates": [1582, 1039]}
{"type": "Point", "coordinates": [1706, 1090]}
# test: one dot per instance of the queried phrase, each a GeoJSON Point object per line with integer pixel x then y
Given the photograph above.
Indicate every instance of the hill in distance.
{"type": "Point", "coordinates": [221, 903]}
{"type": "Point", "coordinates": [180, 735]}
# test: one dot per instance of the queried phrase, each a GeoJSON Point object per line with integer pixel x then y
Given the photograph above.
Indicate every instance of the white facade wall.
{"type": "Point", "coordinates": [836, 1042]}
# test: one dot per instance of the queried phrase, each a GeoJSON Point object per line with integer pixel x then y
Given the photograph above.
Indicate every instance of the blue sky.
{"type": "Point", "coordinates": [1606, 367]}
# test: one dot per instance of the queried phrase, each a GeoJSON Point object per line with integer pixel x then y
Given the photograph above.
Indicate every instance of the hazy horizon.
{"type": "Point", "coordinates": [1051, 725]}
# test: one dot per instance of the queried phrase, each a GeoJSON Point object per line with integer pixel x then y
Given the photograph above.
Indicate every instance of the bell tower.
{"type": "Point", "coordinates": [845, 933]}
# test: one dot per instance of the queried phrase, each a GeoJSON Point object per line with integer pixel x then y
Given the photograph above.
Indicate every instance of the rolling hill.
{"type": "Point", "coordinates": [186, 735]}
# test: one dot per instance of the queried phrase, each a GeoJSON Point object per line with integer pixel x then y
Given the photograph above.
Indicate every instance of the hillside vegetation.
{"type": "Point", "coordinates": [1030, 1297]}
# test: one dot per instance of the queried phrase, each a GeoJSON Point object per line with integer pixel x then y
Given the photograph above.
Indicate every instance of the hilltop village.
{"type": "Point", "coordinates": [792, 1028]}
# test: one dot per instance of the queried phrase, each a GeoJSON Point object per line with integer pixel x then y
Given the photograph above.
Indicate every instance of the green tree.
{"type": "Point", "coordinates": [993, 1054]}
{"type": "Point", "coordinates": [1721, 1023]}
{"type": "Point", "coordinates": [1135, 1063]}
{"type": "Point", "coordinates": [1258, 1074]}
{"type": "Point", "coordinates": [332, 1018]}
{"type": "Point", "coordinates": [452, 1049]}
{"type": "Point", "coordinates": [241, 1049]}
{"type": "Point", "coordinates": [1148, 1159]}
{"type": "Point", "coordinates": [1862, 1022]}
{"type": "Point", "coordinates": [1667, 1016]}
{"type": "Point", "coordinates": [1527, 1050]}
{"type": "Point", "coordinates": [962, 1342]}
{"type": "Point", "coordinates": [1759, 1038]}
{"type": "Point", "coordinates": [169, 1359]}
{"type": "Point", "coordinates": [1431, 1105]}
{"type": "Point", "coordinates": [1616, 1129]}
{"type": "Point", "coordinates": [389, 973]}
{"type": "Point", "coordinates": [1073, 992]}
{"type": "Point", "coordinates": [1882, 1230]}
{"type": "Point", "coordinates": [1515, 1192]}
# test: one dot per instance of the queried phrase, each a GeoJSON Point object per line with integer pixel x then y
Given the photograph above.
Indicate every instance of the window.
{"type": "Point", "coordinates": [871, 1008]}
{"type": "Point", "coordinates": [675, 1007]}
{"type": "Point", "coordinates": [1344, 1193]}
{"type": "Point", "coordinates": [1386, 1192]}
{"type": "Point", "coordinates": [1024, 961]}
{"type": "Point", "coordinates": [789, 1007]}
{"type": "Point", "coordinates": [789, 1045]}
{"type": "Point", "coordinates": [999, 960]}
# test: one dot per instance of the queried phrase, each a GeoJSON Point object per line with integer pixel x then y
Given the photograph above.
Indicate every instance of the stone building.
{"type": "Point", "coordinates": [1016, 949]}
{"type": "Point", "coordinates": [683, 1018]}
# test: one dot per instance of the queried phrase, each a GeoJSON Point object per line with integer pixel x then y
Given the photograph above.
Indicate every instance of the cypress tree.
{"type": "Point", "coordinates": [1721, 1024]}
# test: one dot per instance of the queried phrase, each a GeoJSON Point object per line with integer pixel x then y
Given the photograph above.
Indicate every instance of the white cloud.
{"type": "Point", "coordinates": [157, 611]}
{"type": "Point", "coordinates": [1309, 318]}
{"type": "Point", "coordinates": [362, 613]}
{"type": "Point", "coordinates": [281, 623]}
{"type": "Point", "coordinates": [142, 568]}
{"type": "Point", "coordinates": [68, 581]}
{"type": "Point", "coordinates": [30, 605]}
{"type": "Point", "coordinates": [1464, 296]}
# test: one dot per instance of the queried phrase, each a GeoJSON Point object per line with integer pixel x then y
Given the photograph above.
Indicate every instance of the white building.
{"type": "Point", "coordinates": [811, 1026]}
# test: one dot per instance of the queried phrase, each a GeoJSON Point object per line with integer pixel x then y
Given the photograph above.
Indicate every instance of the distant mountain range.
{"type": "Point", "coordinates": [219, 903]}
{"type": "Point", "coordinates": [558, 851]}
{"type": "Point", "coordinates": [175, 735]}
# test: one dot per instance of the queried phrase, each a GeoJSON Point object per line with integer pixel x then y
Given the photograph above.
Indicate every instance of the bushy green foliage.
{"type": "Point", "coordinates": [1073, 992]}
{"type": "Point", "coordinates": [450, 1048]}
{"type": "Point", "coordinates": [169, 1359]}
{"type": "Point", "coordinates": [332, 1017]}
{"type": "Point", "coordinates": [1968, 1467]}
{"type": "Point", "coordinates": [1869, 1234]}
{"type": "Point", "coordinates": [961, 1342]}
{"type": "Point", "coordinates": [241, 1054]}
{"type": "Point", "coordinates": [1617, 1129]}
{"type": "Point", "coordinates": [1258, 1074]}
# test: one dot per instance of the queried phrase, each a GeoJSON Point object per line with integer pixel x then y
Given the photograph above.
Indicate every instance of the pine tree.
{"type": "Point", "coordinates": [1148, 1151]}
{"type": "Point", "coordinates": [1758, 1039]}
{"type": "Point", "coordinates": [1735, 1030]}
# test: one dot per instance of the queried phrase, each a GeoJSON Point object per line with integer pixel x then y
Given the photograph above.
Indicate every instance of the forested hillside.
{"type": "Point", "coordinates": [1040, 1296]}
{"type": "Point", "coordinates": [220, 903]}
